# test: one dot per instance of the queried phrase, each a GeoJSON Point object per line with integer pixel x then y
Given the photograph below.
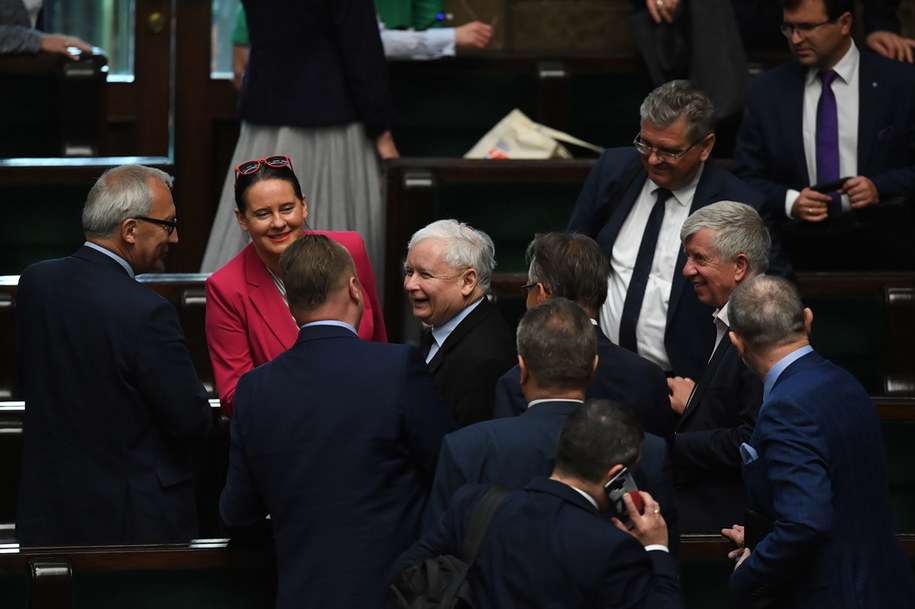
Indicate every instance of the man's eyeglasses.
{"type": "Point", "coordinates": [249, 167]}
{"type": "Point", "coordinates": [803, 29]}
{"type": "Point", "coordinates": [170, 225]}
{"type": "Point", "coordinates": [665, 155]}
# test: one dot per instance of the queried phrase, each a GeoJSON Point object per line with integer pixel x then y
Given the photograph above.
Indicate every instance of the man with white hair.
{"type": "Point", "coordinates": [469, 346]}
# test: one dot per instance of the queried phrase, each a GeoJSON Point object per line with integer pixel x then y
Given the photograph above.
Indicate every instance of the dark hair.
{"type": "Point", "coordinates": [245, 181]}
{"type": "Point", "coordinates": [834, 8]}
{"type": "Point", "coordinates": [558, 343]}
{"type": "Point", "coordinates": [571, 266]}
{"type": "Point", "coordinates": [313, 267]}
{"type": "Point", "coordinates": [766, 311]}
{"type": "Point", "coordinates": [597, 436]}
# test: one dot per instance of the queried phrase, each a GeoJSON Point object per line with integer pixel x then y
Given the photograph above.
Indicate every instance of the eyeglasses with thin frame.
{"type": "Point", "coordinates": [803, 29]}
{"type": "Point", "coordinates": [665, 155]}
{"type": "Point", "coordinates": [249, 167]}
{"type": "Point", "coordinates": [170, 225]}
{"type": "Point", "coordinates": [527, 286]}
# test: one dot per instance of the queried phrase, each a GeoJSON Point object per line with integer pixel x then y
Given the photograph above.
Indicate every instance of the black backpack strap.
{"type": "Point", "coordinates": [479, 522]}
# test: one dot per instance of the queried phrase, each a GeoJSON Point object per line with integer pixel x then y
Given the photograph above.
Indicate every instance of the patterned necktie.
{"type": "Point", "coordinates": [632, 306]}
{"type": "Point", "coordinates": [827, 138]}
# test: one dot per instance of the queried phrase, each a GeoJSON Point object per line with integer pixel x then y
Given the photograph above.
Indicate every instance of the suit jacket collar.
{"type": "Point", "coordinates": [478, 314]}
{"type": "Point", "coordinates": [559, 489]}
{"type": "Point", "coordinates": [551, 409]}
{"type": "Point", "coordinates": [322, 332]}
{"type": "Point", "coordinates": [803, 363]}
{"type": "Point", "coordinates": [99, 259]}
{"type": "Point", "coordinates": [724, 348]}
{"type": "Point", "coordinates": [265, 298]}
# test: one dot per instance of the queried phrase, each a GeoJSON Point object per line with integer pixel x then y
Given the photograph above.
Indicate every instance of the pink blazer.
{"type": "Point", "coordinates": [248, 323]}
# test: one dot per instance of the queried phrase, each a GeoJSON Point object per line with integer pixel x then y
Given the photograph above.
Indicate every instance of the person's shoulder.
{"type": "Point", "coordinates": [730, 186]}
{"type": "Point", "coordinates": [346, 238]}
{"type": "Point", "coordinates": [231, 272]}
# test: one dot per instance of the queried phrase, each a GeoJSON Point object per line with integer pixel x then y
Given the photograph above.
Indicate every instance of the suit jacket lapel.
{"type": "Point", "coordinates": [266, 301]}
{"type": "Point", "coordinates": [869, 107]}
{"type": "Point", "coordinates": [705, 380]}
{"type": "Point", "coordinates": [479, 313]}
{"type": "Point", "coordinates": [608, 234]}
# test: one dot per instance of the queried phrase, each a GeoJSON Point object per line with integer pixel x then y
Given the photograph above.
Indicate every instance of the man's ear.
{"type": "Point", "coordinates": [738, 343]}
{"type": "Point", "coordinates": [355, 292]}
{"type": "Point", "coordinates": [128, 230]}
{"type": "Point", "coordinates": [741, 267]}
{"type": "Point", "coordinates": [469, 281]}
{"type": "Point", "coordinates": [525, 373]}
{"type": "Point", "coordinates": [707, 147]}
{"type": "Point", "coordinates": [808, 321]}
{"type": "Point", "coordinates": [541, 292]}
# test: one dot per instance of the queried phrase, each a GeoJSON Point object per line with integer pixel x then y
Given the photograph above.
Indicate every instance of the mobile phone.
{"type": "Point", "coordinates": [825, 187]}
{"type": "Point", "coordinates": [616, 487]}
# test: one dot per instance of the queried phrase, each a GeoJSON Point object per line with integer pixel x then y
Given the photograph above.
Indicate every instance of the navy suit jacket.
{"type": "Point", "coordinates": [336, 439]}
{"type": "Point", "coordinates": [689, 337]}
{"type": "Point", "coordinates": [546, 546]}
{"type": "Point", "coordinates": [706, 450]}
{"type": "Point", "coordinates": [770, 144]}
{"type": "Point", "coordinates": [621, 376]}
{"type": "Point", "coordinates": [473, 357]}
{"type": "Point", "coordinates": [820, 476]}
{"type": "Point", "coordinates": [512, 451]}
{"type": "Point", "coordinates": [113, 407]}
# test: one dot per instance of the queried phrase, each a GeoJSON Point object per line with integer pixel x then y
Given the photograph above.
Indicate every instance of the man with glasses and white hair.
{"type": "Point", "coordinates": [469, 346]}
{"type": "Point", "coordinates": [829, 136]}
{"type": "Point", "coordinates": [633, 204]}
{"type": "Point", "coordinates": [113, 403]}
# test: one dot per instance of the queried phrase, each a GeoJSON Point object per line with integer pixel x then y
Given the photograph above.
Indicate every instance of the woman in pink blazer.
{"type": "Point", "coordinates": [247, 319]}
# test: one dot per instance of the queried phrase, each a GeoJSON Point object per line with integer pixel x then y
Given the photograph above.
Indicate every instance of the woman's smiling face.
{"type": "Point", "coordinates": [274, 217]}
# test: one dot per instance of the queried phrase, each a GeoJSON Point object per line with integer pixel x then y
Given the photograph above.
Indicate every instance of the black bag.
{"type": "Point", "coordinates": [441, 582]}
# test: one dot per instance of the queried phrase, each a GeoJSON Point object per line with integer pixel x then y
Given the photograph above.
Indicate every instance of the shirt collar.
{"type": "Point", "coordinates": [779, 367]}
{"type": "Point", "coordinates": [540, 401]}
{"type": "Point", "coordinates": [845, 68]}
{"type": "Point", "coordinates": [683, 196]}
{"type": "Point", "coordinates": [330, 322]}
{"type": "Point", "coordinates": [113, 256]}
{"type": "Point", "coordinates": [585, 495]}
{"type": "Point", "coordinates": [441, 333]}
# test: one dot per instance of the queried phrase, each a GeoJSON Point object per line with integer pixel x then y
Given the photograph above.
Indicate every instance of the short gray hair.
{"type": "Point", "coordinates": [766, 311]}
{"type": "Point", "coordinates": [120, 193]}
{"type": "Point", "coordinates": [468, 247]}
{"type": "Point", "coordinates": [738, 230]}
{"type": "Point", "coordinates": [678, 98]}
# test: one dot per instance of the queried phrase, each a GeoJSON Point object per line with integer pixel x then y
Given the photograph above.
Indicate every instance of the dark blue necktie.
{"type": "Point", "coordinates": [827, 139]}
{"type": "Point", "coordinates": [632, 306]}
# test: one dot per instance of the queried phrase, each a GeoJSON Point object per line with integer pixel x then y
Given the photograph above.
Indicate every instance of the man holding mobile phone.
{"type": "Point", "coordinates": [548, 546]}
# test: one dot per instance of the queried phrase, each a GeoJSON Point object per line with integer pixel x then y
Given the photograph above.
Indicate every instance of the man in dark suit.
{"type": "Point", "coordinates": [726, 243]}
{"type": "Point", "coordinates": [557, 355]}
{"type": "Point", "coordinates": [469, 346]}
{"type": "Point", "coordinates": [796, 133]}
{"type": "Point", "coordinates": [633, 204]}
{"type": "Point", "coordinates": [335, 439]}
{"type": "Point", "coordinates": [113, 404]}
{"type": "Point", "coordinates": [815, 471]}
{"type": "Point", "coordinates": [547, 546]}
{"type": "Point", "coordinates": [573, 267]}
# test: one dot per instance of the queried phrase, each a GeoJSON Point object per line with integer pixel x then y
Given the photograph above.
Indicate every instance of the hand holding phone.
{"type": "Point", "coordinates": [616, 487]}
{"type": "Point", "coordinates": [831, 186]}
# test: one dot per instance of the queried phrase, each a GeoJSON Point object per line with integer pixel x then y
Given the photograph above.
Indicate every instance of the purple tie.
{"type": "Point", "coordinates": [632, 306]}
{"type": "Point", "coordinates": [827, 139]}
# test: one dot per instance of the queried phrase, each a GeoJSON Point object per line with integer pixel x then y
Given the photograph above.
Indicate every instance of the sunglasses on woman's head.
{"type": "Point", "coordinates": [249, 167]}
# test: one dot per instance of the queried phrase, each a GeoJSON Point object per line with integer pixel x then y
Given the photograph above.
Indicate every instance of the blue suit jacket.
{"type": "Point", "coordinates": [689, 337]}
{"type": "Point", "coordinates": [336, 439]}
{"type": "Point", "coordinates": [113, 407]}
{"type": "Point", "coordinates": [706, 450]}
{"type": "Point", "coordinates": [770, 145]}
{"type": "Point", "coordinates": [621, 376]}
{"type": "Point", "coordinates": [546, 546]}
{"type": "Point", "coordinates": [820, 476]}
{"type": "Point", "coordinates": [512, 451]}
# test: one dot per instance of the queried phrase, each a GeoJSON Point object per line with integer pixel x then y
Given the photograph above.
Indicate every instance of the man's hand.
{"type": "Point", "coordinates": [240, 54]}
{"type": "Point", "coordinates": [62, 44]}
{"type": "Point", "coordinates": [475, 35]}
{"type": "Point", "coordinates": [811, 206]}
{"type": "Point", "coordinates": [385, 146]}
{"type": "Point", "coordinates": [680, 389]}
{"type": "Point", "coordinates": [736, 534]}
{"type": "Point", "coordinates": [650, 528]}
{"type": "Point", "coordinates": [861, 192]}
{"type": "Point", "coordinates": [892, 45]}
{"type": "Point", "coordinates": [662, 10]}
